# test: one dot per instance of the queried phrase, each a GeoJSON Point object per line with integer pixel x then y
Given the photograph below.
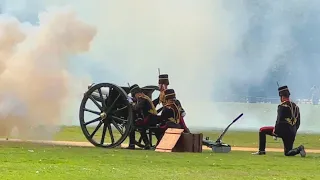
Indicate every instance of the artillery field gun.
{"type": "Point", "coordinates": [111, 107]}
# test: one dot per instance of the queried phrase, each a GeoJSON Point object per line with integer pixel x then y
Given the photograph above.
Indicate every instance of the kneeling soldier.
{"type": "Point", "coordinates": [287, 125]}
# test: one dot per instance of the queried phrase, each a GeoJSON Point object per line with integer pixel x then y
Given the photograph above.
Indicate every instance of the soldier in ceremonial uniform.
{"type": "Point", "coordinates": [170, 114]}
{"type": "Point", "coordinates": [286, 127]}
{"type": "Point", "coordinates": [145, 111]}
{"type": "Point", "coordinates": [163, 85]}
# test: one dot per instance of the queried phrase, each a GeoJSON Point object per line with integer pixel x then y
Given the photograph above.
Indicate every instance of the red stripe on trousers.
{"type": "Point", "coordinates": [266, 128]}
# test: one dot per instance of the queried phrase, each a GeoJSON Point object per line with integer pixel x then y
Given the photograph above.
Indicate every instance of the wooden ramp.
{"type": "Point", "coordinates": [174, 140]}
{"type": "Point", "coordinates": [169, 140]}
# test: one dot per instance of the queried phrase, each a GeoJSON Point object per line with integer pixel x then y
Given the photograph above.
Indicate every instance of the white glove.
{"type": "Point", "coordinates": [183, 114]}
{"type": "Point", "coordinates": [130, 99]}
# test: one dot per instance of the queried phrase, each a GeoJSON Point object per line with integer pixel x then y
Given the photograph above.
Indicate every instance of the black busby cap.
{"type": "Point", "coordinates": [169, 94]}
{"type": "Point", "coordinates": [135, 89]}
{"type": "Point", "coordinates": [164, 79]}
{"type": "Point", "coordinates": [284, 91]}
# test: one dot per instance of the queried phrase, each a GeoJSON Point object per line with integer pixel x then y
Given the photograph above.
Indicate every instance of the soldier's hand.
{"type": "Point", "coordinates": [130, 99]}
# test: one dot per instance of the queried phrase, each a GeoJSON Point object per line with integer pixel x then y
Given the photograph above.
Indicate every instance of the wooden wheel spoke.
{"type": "Point", "coordinates": [117, 127]}
{"type": "Point", "coordinates": [110, 133]}
{"type": "Point", "coordinates": [102, 100]}
{"type": "Point", "coordinates": [92, 111]}
{"type": "Point", "coordinates": [118, 119]}
{"type": "Point", "coordinates": [103, 133]}
{"type": "Point", "coordinates": [120, 109]}
{"type": "Point", "coordinates": [97, 128]}
{"type": "Point", "coordinates": [113, 103]}
{"type": "Point", "coordinates": [95, 102]}
{"type": "Point", "coordinates": [92, 121]}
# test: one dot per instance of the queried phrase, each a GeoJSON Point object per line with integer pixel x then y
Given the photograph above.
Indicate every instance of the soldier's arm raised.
{"type": "Point", "coordinates": [156, 101]}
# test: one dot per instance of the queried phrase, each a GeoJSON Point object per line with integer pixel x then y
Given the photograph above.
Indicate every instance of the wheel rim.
{"type": "Point", "coordinates": [113, 115]}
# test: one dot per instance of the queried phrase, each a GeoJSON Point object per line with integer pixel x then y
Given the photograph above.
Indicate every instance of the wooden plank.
{"type": "Point", "coordinates": [169, 140]}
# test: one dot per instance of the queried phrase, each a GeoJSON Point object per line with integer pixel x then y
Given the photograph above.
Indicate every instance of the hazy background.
{"type": "Point", "coordinates": [210, 49]}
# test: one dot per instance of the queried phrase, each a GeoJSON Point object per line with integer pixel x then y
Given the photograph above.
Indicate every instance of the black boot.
{"type": "Point", "coordinates": [131, 146]}
{"type": "Point", "coordinates": [131, 140]}
{"type": "Point", "coordinates": [146, 142]}
{"type": "Point", "coordinates": [302, 151]}
{"type": "Point", "coordinates": [147, 147]}
{"type": "Point", "coordinates": [259, 153]}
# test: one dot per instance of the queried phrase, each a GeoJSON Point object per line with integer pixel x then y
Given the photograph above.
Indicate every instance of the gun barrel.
{"type": "Point", "coordinates": [96, 95]}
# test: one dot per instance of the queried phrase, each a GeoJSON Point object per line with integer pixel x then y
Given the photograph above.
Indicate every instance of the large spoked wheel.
{"type": "Point", "coordinates": [153, 92]}
{"type": "Point", "coordinates": [105, 107]}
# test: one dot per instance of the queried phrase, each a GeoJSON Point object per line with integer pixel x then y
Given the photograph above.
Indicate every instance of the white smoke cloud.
{"type": "Point", "coordinates": [34, 69]}
{"type": "Point", "coordinates": [202, 45]}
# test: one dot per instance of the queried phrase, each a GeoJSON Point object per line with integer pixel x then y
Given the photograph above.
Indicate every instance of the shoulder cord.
{"type": "Point", "coordinates": [178, 113]}
{"type": "Point", "coordinates": [294, 111]}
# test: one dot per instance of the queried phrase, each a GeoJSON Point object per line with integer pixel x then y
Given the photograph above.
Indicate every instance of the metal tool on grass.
{"type": "Point", "coordinates": [218, 146]}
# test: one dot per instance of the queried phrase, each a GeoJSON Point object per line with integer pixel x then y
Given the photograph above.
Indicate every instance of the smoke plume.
{"type": "Point", "coordinates": [34, 78]}
{"type": "Point", "coordinates": [208, 48]}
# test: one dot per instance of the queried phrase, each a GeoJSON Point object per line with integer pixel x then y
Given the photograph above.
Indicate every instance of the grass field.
{"type": "Point", "coordinates": [35, 161]}
{"type": "Point", "coordinates": [234, 138]}
{"type": "Point", "coordinates": [27, 161]}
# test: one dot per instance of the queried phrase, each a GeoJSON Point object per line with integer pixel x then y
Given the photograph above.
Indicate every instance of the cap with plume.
{"type": "Point", "coordinates": [284, 91]}
{"type": "Point", "coordinates": [164, 79]}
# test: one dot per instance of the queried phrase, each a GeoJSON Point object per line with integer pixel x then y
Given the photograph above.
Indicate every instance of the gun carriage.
{"type": "Point", "coordinates": [114, 109]}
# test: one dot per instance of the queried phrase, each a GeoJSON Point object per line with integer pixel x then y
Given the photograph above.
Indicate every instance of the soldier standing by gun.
{"type": "Point", "coordinates": [287, 125]}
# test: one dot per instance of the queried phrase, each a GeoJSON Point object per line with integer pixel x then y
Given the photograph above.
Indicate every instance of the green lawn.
{"type": "Point", "coordinates": [241, 139]}
{"type": "Point", "coordinates": [32, 162]}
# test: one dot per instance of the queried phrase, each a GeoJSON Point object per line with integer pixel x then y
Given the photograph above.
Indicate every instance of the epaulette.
{"type": "Point", "coordinates": [176, 118]}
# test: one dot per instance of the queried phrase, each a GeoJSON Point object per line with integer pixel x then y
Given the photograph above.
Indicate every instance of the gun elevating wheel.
{"type": "Point", "coordinates": [105, 115]}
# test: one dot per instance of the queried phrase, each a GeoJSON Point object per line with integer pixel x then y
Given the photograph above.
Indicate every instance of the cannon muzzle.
{"type": "Point", "coordinates": [95, 94]}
